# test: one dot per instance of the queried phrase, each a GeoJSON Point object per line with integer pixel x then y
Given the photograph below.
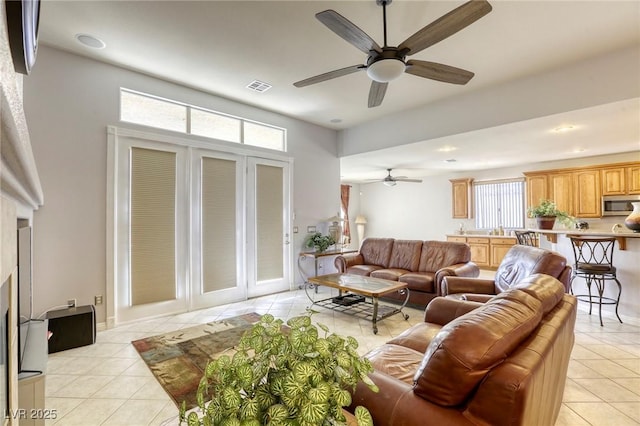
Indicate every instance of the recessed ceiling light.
{"type": "Point", "coordinates": [336, 120]}
{"type": "Point", "coordinates": [447, 148]}
{"type": "Point", "coordinates": [90, 41]}
{"type": "Point", "coordinates": [450, 160]}
{"type": "Point", "coordinates": [565, 128]}
{"type": "Point", "coordinates": [258, 86]}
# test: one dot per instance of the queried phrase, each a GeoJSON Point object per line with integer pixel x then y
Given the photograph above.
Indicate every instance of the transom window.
{"type": "Point", "coordinates": [499, 203]}
{"type": "Point", "coordinates": [153, 111]}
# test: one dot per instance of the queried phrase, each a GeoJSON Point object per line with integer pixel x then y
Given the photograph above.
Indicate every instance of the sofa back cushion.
{"type": "Point", "coordinates": [376, 251]}
{"type": "Point", "coordinates": [439, 254]}
{"type": "Point", "coordinates": [405, 254]}
{"type": "Point", "coordinates": [467, 348]}
{"type": "Point", "coordinates": [522, 261]}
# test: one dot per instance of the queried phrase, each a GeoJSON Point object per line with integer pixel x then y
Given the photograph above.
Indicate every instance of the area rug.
{"type": "Point", "coordinates": [178, 359]}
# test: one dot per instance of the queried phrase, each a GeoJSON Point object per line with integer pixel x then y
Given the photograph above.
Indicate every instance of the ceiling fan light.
{"type": "Point", "coordinates": [389, 182]}
{"type": "Point", "coordinates": [385, 70]}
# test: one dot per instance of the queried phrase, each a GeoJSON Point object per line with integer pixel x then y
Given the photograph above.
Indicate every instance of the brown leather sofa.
{"type": "Point", "coordinates": [503, 362]}
{"type": "Point", "coordinates": [420, 264]}
{"type": "Point", "coordinates": [519, 262]}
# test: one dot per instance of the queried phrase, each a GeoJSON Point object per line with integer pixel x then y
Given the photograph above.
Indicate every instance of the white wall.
{"type": "Point", "coordinates": [69, 101]}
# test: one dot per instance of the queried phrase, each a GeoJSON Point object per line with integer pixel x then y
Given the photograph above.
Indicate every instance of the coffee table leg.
{"type": "Point", "coordinates": [374, 318]}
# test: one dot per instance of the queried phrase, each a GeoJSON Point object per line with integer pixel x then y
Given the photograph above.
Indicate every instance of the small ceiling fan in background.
{"type": "Point", "coordinates": [388, 62]}
{"type": "Point", "coordinates": [393, 180]}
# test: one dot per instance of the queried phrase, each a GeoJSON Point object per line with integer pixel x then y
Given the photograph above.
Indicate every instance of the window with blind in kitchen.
{"type": "Point", "coordinates": [499, 203]}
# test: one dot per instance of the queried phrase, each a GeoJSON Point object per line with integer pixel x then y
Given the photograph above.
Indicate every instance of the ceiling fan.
{"type": "Point", "coordinates": [393, 180]}
{"type": "Point", "coordinates": [388, 62]}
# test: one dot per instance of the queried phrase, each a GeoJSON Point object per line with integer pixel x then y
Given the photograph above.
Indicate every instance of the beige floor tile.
{"type": "Point", "coordinates": [608, 390]}
{"type": "Point", "coordinates": [609, 351]}
{"type": "Point", "coordinates": [61, 406]}
{"type": "Point", "coordinates": [574, 392]}
{"type": "Point", "coordinates": [121, 387]}
{"type": "Point", "coordinates": [91, 412]}
{"type": "Point", "coordinates": [577, 370]}
{"type": "Point", "coordinates": [633, 384]}
{"type": "Point", "coordinates": [568, 417]}
{"type": "Point", "coordinates": [135, 413]}
{"type": "Point", "coordinates": [83, 387]}
{"type": "Point", "coordinates": [168, 414]}
{"type": "Point", "coordinates": [631, 409]}
{"type": "Point", "coordinates": [601, 414]}
{"type": "Point", "coordinates": [630, 364]}
{"type": "Point", "coordinates": [608, 368]}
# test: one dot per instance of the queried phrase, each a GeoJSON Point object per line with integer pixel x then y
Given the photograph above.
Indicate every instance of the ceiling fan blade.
{"type": "Point", "coordinates": [348, 31]}
{"type": "Point", "coordinates": [446, 26]}
{"type": "Point", "coordinates": [329, 75]}
{"type": "Point", "coordinates": [439, 72]}
{"type": "Point", "coordinates": [408, 180]}
{"type": "Point", "coordinates": [376, 93]}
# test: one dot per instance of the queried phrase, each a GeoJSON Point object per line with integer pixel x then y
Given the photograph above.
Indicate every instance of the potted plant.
{"type": "Point", "coordinates": [320, 242]}
{"type": "Point", "coordinates": [283, 376]}
{"type": "Point", "coordinates": [546, 213]}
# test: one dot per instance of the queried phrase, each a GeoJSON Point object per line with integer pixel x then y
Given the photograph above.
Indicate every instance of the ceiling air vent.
{"type": "Point", "coordinates": [258, 86]}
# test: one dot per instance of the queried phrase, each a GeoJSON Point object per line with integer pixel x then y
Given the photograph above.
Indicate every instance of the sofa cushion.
{"type": "Point", "coordinates": [405, 255]}
{"type": "Point", "coordinates": [417, 337]}
{"type": "Point", "coordinates": [388, 274]}
{"type": "Point", "coordinates": [545, 288]}
{"type": "Point", "coordinates": [376, 251]}
{"type": "Point", "coordinates": [419, 281]}
{"type": "Point", "coordinates": [362, 269]}
{"type": "Point", "coordinates": [438, 254]}
{"type": "Point", "coordinates": [467, 348]}
{"type": "Point", "coordinates": [396, 361]}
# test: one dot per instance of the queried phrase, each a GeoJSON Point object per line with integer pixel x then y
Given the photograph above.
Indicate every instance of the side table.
{"type": "Point", "coordinates": [316, 256]}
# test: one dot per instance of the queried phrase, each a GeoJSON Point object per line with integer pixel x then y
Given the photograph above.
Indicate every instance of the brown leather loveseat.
{"type": "Point", "coordinates": [503, 362]}
{"type": "Point", "coordinates": [420, 264]}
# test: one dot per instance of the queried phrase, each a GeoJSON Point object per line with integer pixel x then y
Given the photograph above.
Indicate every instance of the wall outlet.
{"type": "Point", "coordinates": [71, 303]}
{"type": "Point", "coordinates": [98, 300]}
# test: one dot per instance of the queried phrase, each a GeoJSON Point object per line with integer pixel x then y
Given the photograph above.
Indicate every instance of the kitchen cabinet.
{"type": "Point", "coordinates": [499, 248]}
{"type": "Point", "coordinates": [588, 194]}
{"type": "Point", "coordinates": [537, 189]}
{"type": "Point", "coordinates": [614, 181]}
{"type": "Point", "coordinates": [461, 198]}
{"type": "Point", "coordinates": [561, 191]}
{"type": "Point", "coordinates": [486, 251]}
{"type": "Point", "coordinates": [633, 179]}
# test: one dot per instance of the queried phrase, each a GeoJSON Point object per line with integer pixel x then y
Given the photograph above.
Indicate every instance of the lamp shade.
{"type": "Point", "coordinates": [361, 219]}
{"type": "Point", "coordinates": [385, 70]}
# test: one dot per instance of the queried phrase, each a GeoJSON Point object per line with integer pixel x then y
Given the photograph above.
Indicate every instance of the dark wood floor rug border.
{"type": "Point", "coordinates": [177, 359]}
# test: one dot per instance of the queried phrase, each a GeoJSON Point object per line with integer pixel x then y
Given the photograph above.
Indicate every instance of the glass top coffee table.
{"type": "Point", "coordinates": [358, 295]}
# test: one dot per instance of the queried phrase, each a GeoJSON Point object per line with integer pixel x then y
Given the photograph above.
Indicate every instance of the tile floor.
{"type": "Point", "coordinates": [108, 384]}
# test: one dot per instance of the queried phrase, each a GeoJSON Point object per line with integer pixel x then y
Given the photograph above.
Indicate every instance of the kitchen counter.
{"type": "Point", "coordinates": [465, 235]}
{"type": "Point", "coordinates": [621, 236]}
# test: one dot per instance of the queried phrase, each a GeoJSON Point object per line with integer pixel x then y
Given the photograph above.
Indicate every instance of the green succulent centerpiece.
{"type": "Point", "coordinates": [547, 212]}
{"type": "Point", "coordinates": [283, 376]}
{"type": "Point", "coordinates": [320, 242]}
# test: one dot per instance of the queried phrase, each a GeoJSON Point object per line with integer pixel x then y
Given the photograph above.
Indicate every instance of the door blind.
{"type": "Point", "coordinates": [218, 224]}
{"type": "Point", "coordinates": [153, 226]}
{"type": "Point", "coordinates": [269, 225]}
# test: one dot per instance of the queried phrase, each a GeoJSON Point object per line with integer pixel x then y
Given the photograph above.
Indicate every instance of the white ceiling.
{"type": "Point", "coordinates": [221, 46]}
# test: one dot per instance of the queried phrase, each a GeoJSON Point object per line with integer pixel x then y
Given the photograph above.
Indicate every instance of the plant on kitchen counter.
{"type": "Point", "coordinates": [548, 209]}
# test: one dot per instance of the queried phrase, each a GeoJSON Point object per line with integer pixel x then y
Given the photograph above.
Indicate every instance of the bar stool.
{"type": "Point", "coordinates": [594, 262]}
{"type": "Point", "coordinates": [527, 238]}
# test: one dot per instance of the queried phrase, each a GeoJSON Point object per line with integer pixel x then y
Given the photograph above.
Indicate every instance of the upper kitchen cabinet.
{"type": "Point", "coordinates": [579, 191]}
{"type": "Point", "coordinates": [633, 179]}
{"type": "Point", "coordinates": [461, 198]}
{"type": "Point", "coordinates": [588, 194]}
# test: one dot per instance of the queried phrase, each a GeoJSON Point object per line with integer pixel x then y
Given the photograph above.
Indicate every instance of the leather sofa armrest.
{"type": "Point", "coordinates": [443, 310]}
{"type": "Point", "coordinates": [466, 269]}
{"type": "Point", "coordinates": [453, 285]}
{"type": "Point", "coordinates": [397, 404]}
{"type": "Point", "coordinates": [344, 261]}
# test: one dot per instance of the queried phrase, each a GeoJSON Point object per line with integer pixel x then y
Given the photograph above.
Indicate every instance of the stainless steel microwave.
{"type": "Point", "coordinates": [618, 205]}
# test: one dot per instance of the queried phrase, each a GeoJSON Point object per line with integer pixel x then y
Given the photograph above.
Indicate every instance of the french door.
{"type": "Point", "coordinates": [195, 227]}
{"type": "Point", "coordinates": [268, 239]}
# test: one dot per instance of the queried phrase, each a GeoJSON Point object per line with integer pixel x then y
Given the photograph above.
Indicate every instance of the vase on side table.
{"type": "Point", "coordinates": [633, 220]}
